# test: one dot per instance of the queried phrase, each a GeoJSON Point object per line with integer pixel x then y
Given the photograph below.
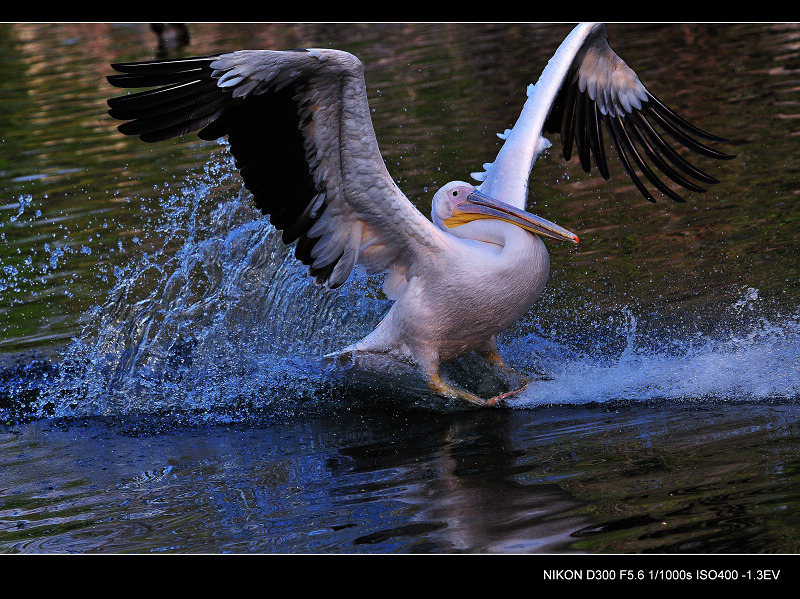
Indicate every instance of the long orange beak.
{"type": "Point", "coordinates": [478, 205]}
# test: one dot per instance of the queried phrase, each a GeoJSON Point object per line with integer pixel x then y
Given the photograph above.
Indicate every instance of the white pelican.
{"type": "Point", "coordinates": [299, 127]}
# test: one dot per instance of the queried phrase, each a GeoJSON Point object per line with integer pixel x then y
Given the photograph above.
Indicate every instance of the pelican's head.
{"type": "Point", "coordinates": [458, 202]}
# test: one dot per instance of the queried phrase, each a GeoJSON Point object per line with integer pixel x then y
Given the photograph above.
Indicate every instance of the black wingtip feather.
{"type": "Point", "coordinates": [637, 139]}
{"type": "Point", "coordinates": [264, 133]}
{"type": "Point", "coordinates": [683, 123]}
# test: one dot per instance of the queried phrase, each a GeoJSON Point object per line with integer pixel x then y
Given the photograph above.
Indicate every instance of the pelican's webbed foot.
{"type": "Point", "coordinates": [441, 387]}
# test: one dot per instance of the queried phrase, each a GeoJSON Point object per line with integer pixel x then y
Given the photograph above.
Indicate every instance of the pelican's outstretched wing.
{"type": "Point", "coordinates": [584, 88]}
{"type": "Point", "coordinates": [299, 128]}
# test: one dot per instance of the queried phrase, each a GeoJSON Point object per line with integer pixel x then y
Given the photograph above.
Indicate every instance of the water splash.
{"type": "Point", "coordinates": [216, 319]}
{"type": "Point", "coordinates": [758, 359]}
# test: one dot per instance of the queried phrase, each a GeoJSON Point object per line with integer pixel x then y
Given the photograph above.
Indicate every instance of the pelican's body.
{"type": "Point", "coordinates": [437, 318]}
{"type": "Point", "coordinates": [299, 127]}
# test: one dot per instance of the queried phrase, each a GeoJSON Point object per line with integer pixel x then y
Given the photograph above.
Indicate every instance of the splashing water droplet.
{"type": "Point", "coordinates": [216, 316]}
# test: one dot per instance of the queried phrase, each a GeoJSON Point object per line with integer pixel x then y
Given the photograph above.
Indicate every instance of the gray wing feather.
{"type": "Point", "coordinates": [299, 128]}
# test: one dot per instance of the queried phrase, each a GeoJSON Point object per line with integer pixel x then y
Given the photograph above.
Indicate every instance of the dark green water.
{"type": "Point", "coordinates": [159, 382]}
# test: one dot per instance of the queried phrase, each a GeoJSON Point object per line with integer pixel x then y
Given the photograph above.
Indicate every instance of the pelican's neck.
{"type": "Point", "coordinates": [507, 177]}
{"type": "Point", "coordinates": [496, 233]}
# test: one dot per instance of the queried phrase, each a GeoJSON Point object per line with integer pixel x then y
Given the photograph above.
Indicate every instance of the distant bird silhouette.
{"type": "Point", "coordinates": [171, 37]}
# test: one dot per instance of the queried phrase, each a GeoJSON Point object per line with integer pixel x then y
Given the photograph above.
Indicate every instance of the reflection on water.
{"type": "Point", "coordinates": [141, 294]}
{"type": "Point", "coordinates": [673, 479]}
{"type": "Point", "coordinates": [359, 491]}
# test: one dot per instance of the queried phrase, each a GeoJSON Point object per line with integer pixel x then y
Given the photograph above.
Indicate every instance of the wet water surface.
{"type": "Point", "coordinates": [160, 382]}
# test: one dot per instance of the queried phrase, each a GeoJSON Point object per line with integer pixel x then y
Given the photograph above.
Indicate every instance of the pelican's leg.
{"type": "Point", "coordinates": [489, 351]}
{"type": "Point", "coordinates": [491, 354]}
{"type": "Point", "coordinates": [428, 362]}
{"type": "Point", "coordinates": [494, 358]}
{"type": "Point", "coordinates": [522, 380]}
